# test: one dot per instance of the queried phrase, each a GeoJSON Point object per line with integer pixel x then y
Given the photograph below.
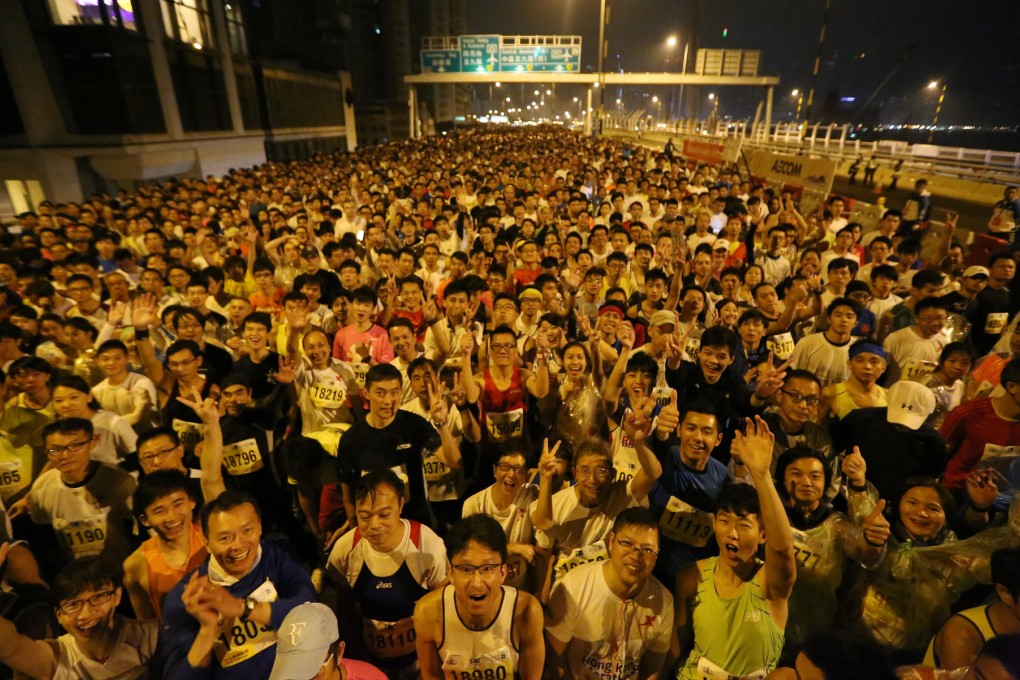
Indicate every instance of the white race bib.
{"type": "Point", "coordinates": [996, 322]}
{"type": "Point", "coordinates": [243, 457]}
{"type": "Point", "coordinates": [781, 345]}
{"type": "Point", "coordinates": [685, 523]}
{"type": "Point", "coordinates": [504, 426]}
{"type": "Point", "coordinates": [328, 393]}
{"type": "Point", "coordinates": [596, 552]}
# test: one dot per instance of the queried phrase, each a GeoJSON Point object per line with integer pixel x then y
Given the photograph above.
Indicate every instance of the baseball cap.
{"type": "Point", "coordinates": [309, 253]}
{"type": "Point", "coordinates": [530, 294]}
{"type": "Point", "coordinates": [663, 318]}
{"type": "Point", "coordinates": [303, 640]}
{"type": "Point", "coordinates": [910, 404]}
{"type": "Point", "coordinates": [971, 272]}
{"type": "Point", "coordinates": [721, 244]}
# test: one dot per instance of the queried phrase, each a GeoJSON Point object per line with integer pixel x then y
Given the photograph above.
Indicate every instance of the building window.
{"type": "Point", "coordinates": [188, 21]}
{"type": "Point", "coordinates": [235, 27]}
{"type": "Point", "coordinates": [119, 13]}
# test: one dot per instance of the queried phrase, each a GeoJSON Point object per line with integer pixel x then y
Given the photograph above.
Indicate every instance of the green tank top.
{"type": "Point", "coordinates": [736, 636]}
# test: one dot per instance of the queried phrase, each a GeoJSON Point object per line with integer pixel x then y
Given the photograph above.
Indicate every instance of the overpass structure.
{"type": "Point", "coordinates": [591, 81]}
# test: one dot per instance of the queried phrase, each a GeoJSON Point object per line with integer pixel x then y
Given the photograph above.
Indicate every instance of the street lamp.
{"type": "Point", "coordinates": [671, 42]}
{"type": "Point", "coordinates": [800, 100]}
{"type": "Point", "coordinates": [938, 107]}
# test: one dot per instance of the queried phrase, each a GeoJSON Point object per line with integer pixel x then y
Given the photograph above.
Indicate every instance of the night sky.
{"type": "Point", "coordinates": [974, 47]}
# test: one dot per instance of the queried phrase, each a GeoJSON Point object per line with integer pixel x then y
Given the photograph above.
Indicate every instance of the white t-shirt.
{"type": "Point", "coordinates": [613, 634]}
{"type": "Point", "coordinates": [575, 526]}
{"type": "Point", "coordinates": [135, 647]}
{"type": "Point", "coordinates": [441, 483]}
{"type": "Point", "coordinates": [114, 437]}
{"type": "Point", "coordinates": [515, 519]}
{"type": "Point", "coordinates": [427, 562]}
{"type": "Point", "coordinates": [879, 307]}
{"type": "Point", "coordinates": [912, 357]}
{"type": "Point", "coordinates": [826, 360]}
{"type": "Point", "coordinates": [135, 398]}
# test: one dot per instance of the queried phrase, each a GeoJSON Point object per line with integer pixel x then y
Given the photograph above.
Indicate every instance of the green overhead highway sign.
{"type": "Point", "coordinates": [440, 61]}
{"type": "Point", "coordinates": [540, 58]}
{"type": "Point", "coordinates": [479, 53]}
{"type": "Point", "coordinates": [501, 54]}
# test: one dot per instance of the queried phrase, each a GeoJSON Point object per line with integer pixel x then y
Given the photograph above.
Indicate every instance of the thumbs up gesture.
{"type": "Point", "coordinates": [669, 417]}
{"type": "Point", "coordinates": [876, 526]}
{"type": "Point", "coordinates": [854, 468]}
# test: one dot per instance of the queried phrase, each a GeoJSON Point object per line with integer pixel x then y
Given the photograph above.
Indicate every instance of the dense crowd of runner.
{"type": "Point", "coordinates": [505, 404]}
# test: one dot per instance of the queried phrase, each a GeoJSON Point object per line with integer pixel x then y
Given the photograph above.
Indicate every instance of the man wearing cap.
{"type": "Point", "coordinates": [914, 351]}
{"type": "Point", "coordinates": [309, 648]}
{"type": "Point", "coordinates": [526, 323]}
{"type": "Point", "coordinates": [982, 428]}
{"type": "Point", "coordinates": [894, 440]}
{"type": "Point", "coordinates": [972, 282]}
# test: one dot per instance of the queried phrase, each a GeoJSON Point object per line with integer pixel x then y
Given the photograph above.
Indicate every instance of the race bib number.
{"type": "Point", "coordinates": [781, 345]}
{"type": "Point", "coordinates": [360, 371]}
{"type": "Point", "coordinates": [710, 671]}
{"type": "Point", "coordinates": [996, 451]}
{"type": "Point", "coordinates": [918, 370]}
{"type": "Point", "coordinates": [625, 461]}
{"type": "Point", "coordinates": [241, 640]}
{"type": "Point", "coordinates": [691, 349]}
{"type": "Point", "coordinates": [661, 394]}
{"type": "Point", "coordinates": [386, 639]}
{"type": "Point", "coordinates": [996, 322]}
{"type": "Point", "coordinates": [328, 393]}
{"type": "Point", "coordinates": [189, 433]}
{"type": "Point", "coordinates": [83, 537]}
{"type": "Point", "coordinates": [685, 523]}
{"type": "Point", "coordinates": [807, 549]}
{"type": "Point", "coordinates": [242, 458]}
{"type": "Point", "coordinates": [12, 477]}
{"type": "Point", "coordinates": [596, 552]}
{"type": "Point", "coordinates": [504, 426]}
{"type": "Point", "coordinates": [496, 665]}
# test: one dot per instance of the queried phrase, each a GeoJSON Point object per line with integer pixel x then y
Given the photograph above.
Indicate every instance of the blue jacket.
{"type": "Point", "coordinates": [293, 587]}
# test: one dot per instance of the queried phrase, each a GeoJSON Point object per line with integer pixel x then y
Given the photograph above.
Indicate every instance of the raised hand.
{"type": "Point", "coordinates": [854, 468]}
{"type": "Point", "coordinates": [285, 373]}
{"type": "Point", "coordinates": [638, 423]}
{"type": "Point", "coordinates": [467, 343]}
{"type": "Point", "coordinates": [430, 310]}
{"type": "Point", "coordinates": [297, 318]}
{"type": "Point", "coordinates": [206, 409]}
{"type": "Point", "coordinates": [625, 334]}
{"type": "Point", "coordinates": [876, 526]}
{"type": "Point", "coordinates": [548, 464]}
{"type": "Point", "coordinates": [753, 447]}
{"type": "Point", "coordinates": [438, 408]}
{"type": "Point", "coordinates": [669, 417]}
{"type": "Point", "coordinates": [143, 311]}
{"type": "Point", "coordinates": [770, 379]}
{"type": "Point", "coordinates": [117, 312]}
{"type": "Point", "coordinates": [982, 489]}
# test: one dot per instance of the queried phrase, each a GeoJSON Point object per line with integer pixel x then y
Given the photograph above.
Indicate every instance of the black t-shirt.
{"type": "Point", "coordinates": [397, 446]}
{"type": "Point", "coordinates": [216, 363]}
{"type": "Point", "coordinates": [258, 373]}
{"type": "Point", "coordinates": [989, 311]}
{"type": "Point", "coordinates": [893, 452]}
{"type": "Point", "coordinates": [955, 302]}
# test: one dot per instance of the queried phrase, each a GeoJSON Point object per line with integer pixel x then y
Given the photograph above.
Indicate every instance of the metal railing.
{"type": "Point", "coordinates": [834, 141]}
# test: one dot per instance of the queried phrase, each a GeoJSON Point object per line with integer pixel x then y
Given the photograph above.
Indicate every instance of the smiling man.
{"type": "Point", "coordinates": [382, 567]}
{"type": "Point", "coordinates": [612, 619]}
{"type": "Point", "coordinates": [219, 621]}
{"type": "Point", "coordinates": [98, 643]}
{"type": "Point", "coordinates": [478, 627]}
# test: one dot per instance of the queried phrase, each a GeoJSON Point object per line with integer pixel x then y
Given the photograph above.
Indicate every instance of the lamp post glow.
{"type": "Point", "coordinates": [938, 107]}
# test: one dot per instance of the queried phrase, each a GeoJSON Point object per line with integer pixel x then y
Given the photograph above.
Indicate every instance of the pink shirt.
{"type": "Point", "coordinates": [376, 337]}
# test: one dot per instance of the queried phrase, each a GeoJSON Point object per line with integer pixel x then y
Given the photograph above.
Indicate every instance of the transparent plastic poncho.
{"type": "Point", "coordinates": [581, 413]}
{"type": "Point", "coordinates": [903, 602]}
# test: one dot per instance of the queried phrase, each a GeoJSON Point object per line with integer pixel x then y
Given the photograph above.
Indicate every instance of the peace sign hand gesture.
{"type": "Point", "coordinates": [206, 409]}
{"type": "Point", "coordinates": [438, 409]}
{"type": "Point", "coordinates": [638, 423]}
{"type": "Point", "coordinates": [547, 465]}
{"type": "Point", "coordinates": [771, 378]}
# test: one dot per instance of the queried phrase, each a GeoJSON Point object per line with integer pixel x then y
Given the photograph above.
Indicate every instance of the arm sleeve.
{"type": "Point", "coordinates": [175, 639]}
{"type": "Point", "coordinates": [562, 612]}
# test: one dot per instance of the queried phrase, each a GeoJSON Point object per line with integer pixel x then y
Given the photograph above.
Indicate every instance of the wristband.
{"type": "Point", "coordinates": [875, 545]}
{"type": "Point", "coordinates": [858, 489]}
{"type": "Point", "coordinates": [141, 334]}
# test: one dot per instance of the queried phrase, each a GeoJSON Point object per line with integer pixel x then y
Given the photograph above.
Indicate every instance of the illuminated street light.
{"type": "Point", "coordinates": [498, 84]}
{"type": "Point", "coordinates": [795, 93]}
{"type": "Point", "coordinates": [711, 95]}
{"type": "Point", "coordinates": [933, 84]}
{"type": "Point", "coordinates": [671, 41]}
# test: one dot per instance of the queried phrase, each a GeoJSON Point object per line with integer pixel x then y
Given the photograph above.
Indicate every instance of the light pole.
{"type": "Point", "coordinates": [603, 54]}
{"type": "Point", "coordinates": [938, 107]}
{"type": "Point", "coordinates": [800, 100]}
{"type": "Point", "coordinates": [671, 42]}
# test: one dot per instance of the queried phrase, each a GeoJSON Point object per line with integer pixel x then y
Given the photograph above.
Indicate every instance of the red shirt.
{"type": "Point", "coordinates": [970, 430]}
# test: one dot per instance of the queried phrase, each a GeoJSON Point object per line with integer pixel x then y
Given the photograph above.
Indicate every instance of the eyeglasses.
{"type": "Point", "coordinates": [644, 551]}
{"type": "Point", "coordinates": [505, 308]}
{"type": "Point", "coordinates": [149, 457]}
{"type": "Point", "coordinates": [799, 398]}
{"type": "Point", "coordinates": [74, 606]}
{"type": "Point", "coordinates": [73, 447]}
{"type": "Point", "coordinates": [469, 570]}
{"type": "Point", "coordinates": [505, 468]}
{"type": "Point", "coordinates": [598, 472]}
{"type": "Point", "coordinates": [502, 347]}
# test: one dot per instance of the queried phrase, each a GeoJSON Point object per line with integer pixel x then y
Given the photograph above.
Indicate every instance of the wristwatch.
{"type": "Point", "coordinates": [249, 607]}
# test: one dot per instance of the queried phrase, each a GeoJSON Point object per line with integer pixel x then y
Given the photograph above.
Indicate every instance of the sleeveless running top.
{"type": "Point", "coordinates": [162, 576]}
{"type": "Point", "coordinates": [978, 616]}
{"type": "Point", "coordinates": [488, 653]}
{"type": "Point", "coordinates": [844, 404]}
{"type": "Point", "coordinates": [503, 410]}
{"type": "Point", "coordinates": [386, 604]}
{"type": "Point", "coordinates": [735, 637]}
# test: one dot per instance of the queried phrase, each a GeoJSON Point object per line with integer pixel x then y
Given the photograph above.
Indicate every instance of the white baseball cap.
{"type": "Point", "coordinates": [910, 404]}
{"type": "Point", "coordinates": [303, 640]}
